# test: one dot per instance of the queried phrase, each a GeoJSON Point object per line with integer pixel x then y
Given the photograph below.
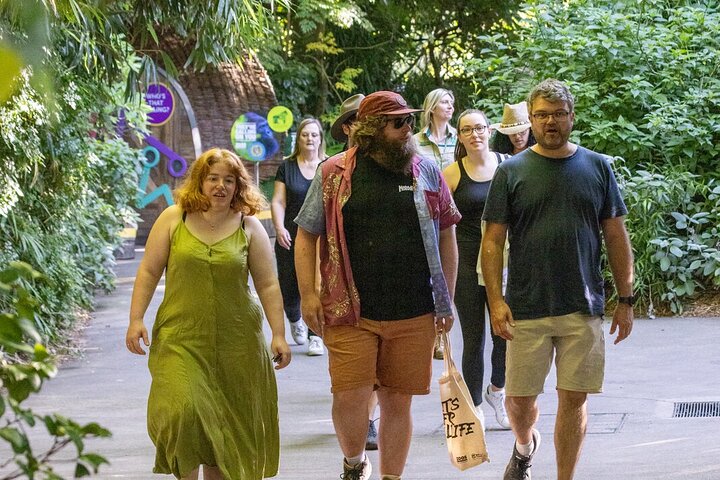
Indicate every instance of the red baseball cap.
{"type": "Point", "coordinates": [384, 103]}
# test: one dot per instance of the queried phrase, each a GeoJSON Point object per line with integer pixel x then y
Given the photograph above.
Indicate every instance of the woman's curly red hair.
{"type": "Point", "coordinates": [247, 199]}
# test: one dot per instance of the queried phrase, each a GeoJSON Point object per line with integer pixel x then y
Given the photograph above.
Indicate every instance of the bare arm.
{"type": "Point", "coordinates": [268, 289]}
{"type": "Point", "coordinates": [152, 266]}
{"type": "Point", "coordinates": [277, 208]}
{"type": "Point", "coordinates": [305, 269]}
{"type": "Point", "coordinates": [492, 251]}
{"type": "Point", "coordinates": [620, 257]}
{"type": "Point", "coordinates": [451, 173]}
{"type": "Point", "coordinates": [449, 258]}
{"type": "Point", "coordinates": [449, 261]}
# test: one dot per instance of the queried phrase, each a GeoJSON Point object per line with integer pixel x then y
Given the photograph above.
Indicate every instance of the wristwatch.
{"type": "Point", "coordinates": [627, 300]}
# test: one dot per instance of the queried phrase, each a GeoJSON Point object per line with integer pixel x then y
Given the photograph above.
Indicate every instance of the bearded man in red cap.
{"type": "Point", "coordinates": [385, 221]}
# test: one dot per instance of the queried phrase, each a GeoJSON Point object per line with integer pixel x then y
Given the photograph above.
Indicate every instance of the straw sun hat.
{"type": "Point", "coordinates": [515, 119]}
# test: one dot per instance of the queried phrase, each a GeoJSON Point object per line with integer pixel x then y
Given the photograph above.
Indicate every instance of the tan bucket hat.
{"type": "Point", "coordinates": [515, 119]}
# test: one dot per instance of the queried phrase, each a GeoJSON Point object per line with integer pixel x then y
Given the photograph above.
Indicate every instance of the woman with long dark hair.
{"type": "Point", "coordinates": [469, 180]}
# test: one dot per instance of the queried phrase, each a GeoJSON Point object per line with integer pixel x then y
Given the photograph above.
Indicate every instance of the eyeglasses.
{"type": "Point", "coordinates": [559, 116]}
{"type": "Point", "coordinates": [468, 131]}
{"type": "Point", "coordinates": [399, 123]}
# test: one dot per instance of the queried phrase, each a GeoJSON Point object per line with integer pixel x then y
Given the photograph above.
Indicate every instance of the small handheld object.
{"type": "Point", "coordinates": [277, 358]}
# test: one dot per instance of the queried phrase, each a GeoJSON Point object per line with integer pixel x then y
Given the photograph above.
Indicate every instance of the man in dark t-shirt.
{"type": "Point", "coordinates": [383, 221]}
{"type": "Point", "coordinates": [340, 131]}
{"type": "Point", "coordinates": [553, 201]}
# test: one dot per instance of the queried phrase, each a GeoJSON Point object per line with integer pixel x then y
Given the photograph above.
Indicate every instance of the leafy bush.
{"type": "Point", "coordinates": [676, 247]}
{"type": "Point", "coordinates": [644, 74]}
{"type": "Point", "coordinates": [65, 187]}
{"type": "Point", "coordinates": [24, 365]}
{"type": "Point", "coordinates": [644, 77]}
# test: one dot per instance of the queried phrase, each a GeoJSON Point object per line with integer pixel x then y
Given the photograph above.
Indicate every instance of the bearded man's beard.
{"type": "Point", "coordinates": [393, 155]}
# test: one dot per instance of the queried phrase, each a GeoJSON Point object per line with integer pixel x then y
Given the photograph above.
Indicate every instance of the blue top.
{"type": "Point", "coordinates": [296, 188]}
{"type": "Point", "coordinates": [553, 209]}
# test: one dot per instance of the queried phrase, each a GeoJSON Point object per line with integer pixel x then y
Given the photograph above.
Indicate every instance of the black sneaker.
{"type": "Point", "coordinates": [519, 466]}
{"type": "Point", "coordinates": [372, 437]}
{"type": "Point", "coordinates": [361, 471]}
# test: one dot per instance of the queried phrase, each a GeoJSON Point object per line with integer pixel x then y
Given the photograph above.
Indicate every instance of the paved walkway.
{"type": "Point", "coordinates": [632, 434]}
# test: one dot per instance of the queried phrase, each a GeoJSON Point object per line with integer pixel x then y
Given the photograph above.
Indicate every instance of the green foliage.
{"type": "Point", "coordinates": [646, 86]}
{"type": "Point", "coordinates": [64, 195]}
{"type": "Point", "coordinates": [25, 365]}
{"type": "Point", "coordinates": [332, 49]}
{"type": "Point", "coordinates": [24, 38]}
{"type": "Point", "coordinates": [676, 247]}
{"type": "Point", "coordinates": [95, 38]}
{"type": "Point", "coordinates": [420, 45]}
{"type": "Point", "coordinates": [299, 62]}
{"type": "Point", "coordinates": [644, 74]}
{"type": "Point", "coordinates": [221, 30]}
{"type": "Point", "coordinates": [90, 42]}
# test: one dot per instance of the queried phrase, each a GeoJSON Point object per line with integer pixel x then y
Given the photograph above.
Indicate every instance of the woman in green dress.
{"type": "Point", "coordinates": [213, 398]}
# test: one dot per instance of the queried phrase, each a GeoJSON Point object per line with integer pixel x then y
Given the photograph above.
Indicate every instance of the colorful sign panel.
{"type": "Point", "coordinates": [161, 100]}
{"type": "Point", "coordinates": [143, 199]}
{"type": "Point", "coordinates": [252, 137]}
{"type": "Point", "coordinates": [176, 166]}
{"type": "Point", "coordinates": [280, 119]}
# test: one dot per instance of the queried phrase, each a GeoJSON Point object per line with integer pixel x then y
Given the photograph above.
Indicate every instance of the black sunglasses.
{"type": "Point", "coordinates": [398, 123]}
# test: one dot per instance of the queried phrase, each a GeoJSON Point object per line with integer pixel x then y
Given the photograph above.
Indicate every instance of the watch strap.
{"type": "Point", "coordinates": [627, 300]}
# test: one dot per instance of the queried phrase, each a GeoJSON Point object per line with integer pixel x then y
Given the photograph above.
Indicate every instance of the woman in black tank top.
{"type": "Point", "coordinates": [469, 181]}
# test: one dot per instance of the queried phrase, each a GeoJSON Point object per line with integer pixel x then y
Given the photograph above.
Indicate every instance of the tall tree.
{"type": "Point", "coordinates": [306, 65]}
{"type": "Point", "coordinates": [334, 48]}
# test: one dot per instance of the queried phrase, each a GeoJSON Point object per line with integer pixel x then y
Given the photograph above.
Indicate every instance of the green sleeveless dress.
{"type": "Point", "coordinates": [213, 398]}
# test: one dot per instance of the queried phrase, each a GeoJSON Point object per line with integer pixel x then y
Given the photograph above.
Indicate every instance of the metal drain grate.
{"type": "Point", "coordinates": [696, 409]}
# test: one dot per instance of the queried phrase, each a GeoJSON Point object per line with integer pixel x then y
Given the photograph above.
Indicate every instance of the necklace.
{"type": "Point", "coordinates": [217, 222]}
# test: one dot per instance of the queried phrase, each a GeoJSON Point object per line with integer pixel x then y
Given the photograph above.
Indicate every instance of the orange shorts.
{"type": "Point", "coordinates": [395, 355]}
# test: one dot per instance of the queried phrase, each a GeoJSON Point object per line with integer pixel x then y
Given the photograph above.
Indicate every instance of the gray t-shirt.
{"type": "Point", "coordinates": [553, 209]}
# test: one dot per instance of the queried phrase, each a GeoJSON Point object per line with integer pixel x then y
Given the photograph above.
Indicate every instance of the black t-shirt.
{"type": "Point", "coordinates": [385, 246]}
{"type": "Point", "coordinates": [296, 188]}
{"type": "Point", "coordinates": [553, 208]}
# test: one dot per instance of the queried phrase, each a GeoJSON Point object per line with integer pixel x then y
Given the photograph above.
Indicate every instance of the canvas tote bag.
{"type": "Point", "coordinates": [463, 429]}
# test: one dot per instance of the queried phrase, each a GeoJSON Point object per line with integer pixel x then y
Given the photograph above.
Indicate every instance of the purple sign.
{"type": "Point", "coordinates": [176, 165]}
{"type": "Point", "coordinates": [161, 100]}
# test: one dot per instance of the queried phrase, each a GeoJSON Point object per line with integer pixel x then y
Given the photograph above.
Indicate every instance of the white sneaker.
{"type": "Point", "coordinates": [316, 347]}
{"type": "Point", "coordinates": [299, 332]}
{"type": "Point", "coordinates": [497, 401]}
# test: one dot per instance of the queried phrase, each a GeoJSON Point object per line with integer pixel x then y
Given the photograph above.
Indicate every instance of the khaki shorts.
{"type": "Point", "coordinates": [395, 355]}
{"type": "Point", "coordinates": [578, 344]}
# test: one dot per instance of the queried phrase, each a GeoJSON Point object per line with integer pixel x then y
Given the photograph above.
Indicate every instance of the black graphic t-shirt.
{"type": "Point", "coordinates": [385, 246]}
